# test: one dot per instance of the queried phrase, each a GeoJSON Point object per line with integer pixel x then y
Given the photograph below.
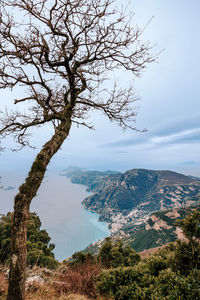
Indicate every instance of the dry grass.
{"type": "Point", "coordinates": [40, 296]}
{"type": "Point", "coordinates": [148, 252]}
{"type": "Point", "coordinates": [75, 297]}
{"type": "Point", "coordinates": [48, 293]}
{"type": "Point", "coordinates": [79, 280]}
{"type": "Point", "coordinates": [77, 283]}
{"type": "Point", "coordinates": [3, 285]}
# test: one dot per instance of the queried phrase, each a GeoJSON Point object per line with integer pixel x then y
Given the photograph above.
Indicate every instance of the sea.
{"type": "Point", "coordinates": [58, 204]}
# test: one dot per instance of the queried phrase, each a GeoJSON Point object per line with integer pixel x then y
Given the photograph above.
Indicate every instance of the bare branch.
{"type": "Point", "coordinates": [63, 54]}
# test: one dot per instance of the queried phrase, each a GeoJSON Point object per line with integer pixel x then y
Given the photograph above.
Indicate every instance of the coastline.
{"type": "Point", "coordinates": [71, 226]}
{"type": "Point", "coordinates": [58, 204]}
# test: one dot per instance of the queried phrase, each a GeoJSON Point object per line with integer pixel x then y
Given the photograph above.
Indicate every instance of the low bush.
{"type": "Point", "coordinates": [80, 279]}
{"type": "Point", "coordinates": [115, 255]}
{"type": "Point", "coordinates": [130, 283]}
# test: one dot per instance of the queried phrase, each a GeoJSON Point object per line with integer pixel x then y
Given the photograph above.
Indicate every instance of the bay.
{"type": "Point", "coordinates": [58, 204]}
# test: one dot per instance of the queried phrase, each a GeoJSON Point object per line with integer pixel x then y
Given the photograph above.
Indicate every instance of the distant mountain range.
{"type": "Point", "coordinates": [126, 201]}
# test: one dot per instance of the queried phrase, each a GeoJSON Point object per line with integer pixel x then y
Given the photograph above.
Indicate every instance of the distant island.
{"type": "Point", "coordinates": [9, 188]}
{"type": "Point", "coordinates": [139, 199]}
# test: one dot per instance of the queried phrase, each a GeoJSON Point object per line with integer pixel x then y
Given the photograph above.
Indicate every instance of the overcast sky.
{"type": "Point", "coordinates": [169, 109]}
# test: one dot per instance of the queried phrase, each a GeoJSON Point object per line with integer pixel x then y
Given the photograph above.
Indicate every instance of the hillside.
{"type": "Point", "coordinates": [140, 206]}
{"type": "Point", "coordinates": [123, 198]}
{"type": "Point", "coordinates": [159, 229]}
{"type": "Point", "coordinates": [94, 180]}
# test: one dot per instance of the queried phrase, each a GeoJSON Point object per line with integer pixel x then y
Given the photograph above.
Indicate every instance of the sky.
{"type": "Point", "coordinates": [169, 107]}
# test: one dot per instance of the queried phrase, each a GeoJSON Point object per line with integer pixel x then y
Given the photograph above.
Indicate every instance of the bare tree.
{"type": "Point", "coordinates": [61, 52]}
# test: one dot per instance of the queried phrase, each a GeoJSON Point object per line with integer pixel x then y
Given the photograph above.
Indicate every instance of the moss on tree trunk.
{"type": "Point", "coordinates": [27, 191]}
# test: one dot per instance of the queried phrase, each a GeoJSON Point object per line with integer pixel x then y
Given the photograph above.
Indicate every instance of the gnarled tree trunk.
{"type": "Point", "coordinates": [28, 190]}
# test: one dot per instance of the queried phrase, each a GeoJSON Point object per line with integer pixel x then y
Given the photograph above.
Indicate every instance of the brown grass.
{"type": "Point", "coordinates": [148, 252]}
{"type": "Point", "coordinates": [48, 293]}
{"type": "Point", "coordinates": [70, 283]}
{"type": "Point", "coordinates": [40, 296]}
{"type": "Point", "coordinates": [3, 285]}
{"type": "Point", "coordinates": [79, 280]}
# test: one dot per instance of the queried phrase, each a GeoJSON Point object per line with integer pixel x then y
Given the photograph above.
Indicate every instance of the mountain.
{"type": "Point", "coordinates": [140, 206]}
{"type": "Point", "coordinates": [194, 177]}
{"type": "Point", "coordinates": [132, 196]}
{"type": "Point", "coordinates": [92, 179]}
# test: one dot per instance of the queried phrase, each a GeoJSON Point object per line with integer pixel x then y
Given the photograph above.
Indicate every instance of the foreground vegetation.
{"type": "Point", "coordinates": [39, 248]}
{"type": "Point", "coordinates": [118, 273]}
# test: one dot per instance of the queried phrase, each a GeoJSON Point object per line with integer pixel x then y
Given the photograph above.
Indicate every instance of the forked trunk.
{"type": "Point", "coordinates": [28, 190]}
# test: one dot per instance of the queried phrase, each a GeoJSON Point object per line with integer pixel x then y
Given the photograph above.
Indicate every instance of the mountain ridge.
{"type": "Point", "coordinates": [126, 201]}
{"type": "Point", "coordinates": [141, 191]}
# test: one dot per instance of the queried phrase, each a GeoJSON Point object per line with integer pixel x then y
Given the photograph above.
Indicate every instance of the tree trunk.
{"type": "Point", "coordinates": [28, 190]}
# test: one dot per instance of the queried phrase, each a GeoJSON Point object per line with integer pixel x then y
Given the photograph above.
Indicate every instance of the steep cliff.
{"type": "Point", "coordinates": [138, 192]}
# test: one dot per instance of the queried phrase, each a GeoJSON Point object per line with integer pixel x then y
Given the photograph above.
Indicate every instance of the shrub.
{"type": "Point", "coordinates": [79, 258]}
{"type": "Point", "coordinates": [171, 285]}
{"type": "Point", "coordinates": [115, 255]}
{"type": "Point", "coordinates": [186, 257]}
{"type": "Point", "coordinates": [39, 250]}
{"type": "Point", "coordinates": [172, 273]}
{"type": "Point", "coordinates": [80, 279]}
{"type": "Point", "coordinates": [131, 283]}
{"type": "Point", "coordinates": [124, 283]}
{"type": "Point", "coordinates": [155, 264]}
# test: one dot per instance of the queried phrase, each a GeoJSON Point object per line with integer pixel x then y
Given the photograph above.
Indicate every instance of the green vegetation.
{"type": "Point", "coordinates": [38, 246]}
{"type": "Point", "coordinates": [80, 258]}
{"type": "Point", "coordinates": [140, 283]}
{"type": "Point", "coordinates": [140, 237]}
{"type": "Point", "coordinates": [152, 238]}
{"type": "Point", "coordinates": [92, 179]}
{"type": "Point", "coordinates": [115, 255]}
{"type": "Point", "coordinates": [187, 255]}
{"type": "Point", "coordinates": [117, 273]}
{"type": "Point", "coordinates": [111, 255]}
{"type": "Point", "coordinates": [171, 273]}
{"type": "Point", "coordinates": [136, 189]}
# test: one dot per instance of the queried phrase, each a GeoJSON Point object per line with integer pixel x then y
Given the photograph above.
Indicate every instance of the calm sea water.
{"type": "Point", "coordinates": [58, 205]}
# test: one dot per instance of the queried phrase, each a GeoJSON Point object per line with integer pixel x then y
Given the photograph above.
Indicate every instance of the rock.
{"type": "Point", "coordinates": [35, 281]}
{"type": "Point", "coordinates": [7, 273]}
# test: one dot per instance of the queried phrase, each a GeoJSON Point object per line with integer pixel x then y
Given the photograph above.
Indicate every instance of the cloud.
{"type": "Point", "coordinates": [120, 152]}
{"type": "Point", "coordinates": [134, 140]}
{"type": "Point", "coordinates": [188, 163]}
{"type": "Point", "coordinates": [189, 136]}
{"type": "Point", "coordinates": [174, 126]}
{"type": "Point", "coordinates": [183, 131]}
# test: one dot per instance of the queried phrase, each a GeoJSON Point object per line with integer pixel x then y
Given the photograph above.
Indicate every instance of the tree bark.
{"type": "Point", "coordinates": [27, 191]}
